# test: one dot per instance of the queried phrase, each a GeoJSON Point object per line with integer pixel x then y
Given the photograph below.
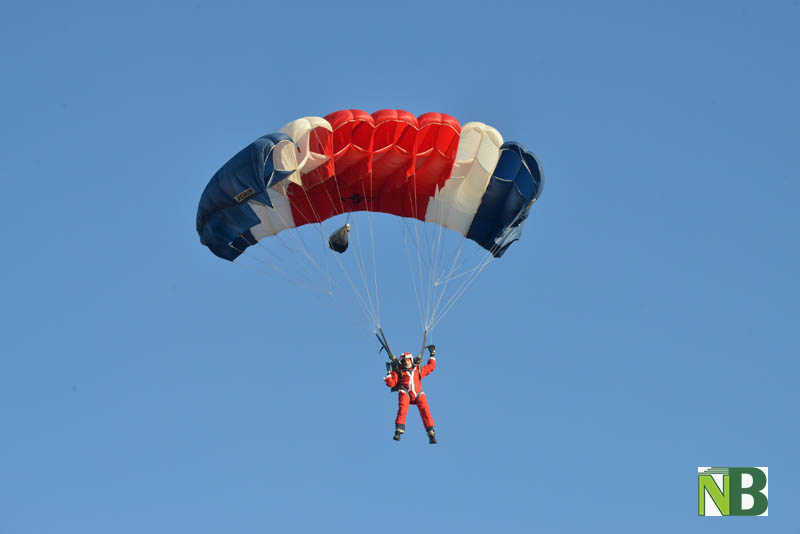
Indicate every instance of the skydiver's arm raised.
{"type": "Point", "coordinates": [431, 365]}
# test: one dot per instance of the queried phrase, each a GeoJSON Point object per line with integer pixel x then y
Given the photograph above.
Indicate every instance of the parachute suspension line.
{"type": "Point", "coordinates": [405, 233]}
{"type": "Point", "coordinates": [467, 260]}
{"type": "Point", "coordinates": [367, 306]}
{"type": "Point", "coordinates": [324, 251]}
{"type": "Point", "coordinates": [433, 301]}
{"type": "Point", "coordinates": [368, 309]}
{"type": "Point", "coordinates": [443, 291]}
{"type": "Point", "coordinates": [359, 257]}
{"type": "Point", "coordinates": [417, 220]}
{"type": "Point", "coordinates": [461, 290]}
{"type": "Point", "coordinates": [359, 324]}
{"type": "Point", "coordinates": [375, 319]}
{"type": "Point", "coordinates": [415, 239]}
{"type": "Point", "coordinates": [374, 312]}
{"type": "Point", "coordinates": [429, 281]}
{"type": "Point", "coordinates": [422, 300]}
{"type": "Point", "coordinates": [442, 216]}
{"type": "Point", "coordinates": [425, 282]}
{"type": "Point", "coordinates": [372, 241]}
{"type": "Point", "coordinates": [454, 266]}
{"type": "Point", "coordinates": [306, 265]}
{"type": "Point", "coordinates": [288, 248]}
{"type": "Point", "coordinates": [427, 289]}
{"type": "Point", "coordinates": [435, 274]}
{"type": "Point", "coordinates": [490, 257]}
{"type": "Point", "coordinates": [319, 229]}
{"type": "Point", "coordinates": [442, 210]}
{"type": "Point", "coordinates": [362, 268]}
{"type": "Point", "coordinates": [299, 235]}
{"type": "Point", "coordinates": [274, 266]}
{"type": "Point", "coordinates": [323, 241]}
{"type": "Point", "coordinates": [418, 278]}
{"type": "Point", "coordinates": [424, 275]}
{"type": "Point", "coordinates": [445, 281]}
{"type": "Point", "coordinates": [463, 274]}
{"type": "Point", "coordinates": [360, 262]}
{"type": "Point", "coordinates": [435, 247]}
{"type": "Point", "coordinates": [260, 267]}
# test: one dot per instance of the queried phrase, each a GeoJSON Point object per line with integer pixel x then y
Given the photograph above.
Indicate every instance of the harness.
{"type": "Point", "coordinates": [400, 370]}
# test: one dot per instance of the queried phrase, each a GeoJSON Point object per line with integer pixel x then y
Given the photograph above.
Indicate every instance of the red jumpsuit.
{"type": "Point", "coordinates": [410, 392]}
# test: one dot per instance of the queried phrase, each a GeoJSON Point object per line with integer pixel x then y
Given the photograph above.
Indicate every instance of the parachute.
{"type": "Point", "coordinates": [425, 171]}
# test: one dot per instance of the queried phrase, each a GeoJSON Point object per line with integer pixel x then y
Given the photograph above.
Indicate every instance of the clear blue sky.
{"type": "Point", "coordinates": [646, 323]}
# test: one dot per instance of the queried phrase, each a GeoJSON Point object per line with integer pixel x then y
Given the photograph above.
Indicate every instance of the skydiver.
{"type": "Point", "coordinates": [406, 379]}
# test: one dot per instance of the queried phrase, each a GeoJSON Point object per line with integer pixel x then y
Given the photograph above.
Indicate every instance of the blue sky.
{"type": "Point", "coordinates": [643, 326]}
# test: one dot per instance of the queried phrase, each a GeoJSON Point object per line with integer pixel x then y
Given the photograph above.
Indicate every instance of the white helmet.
{"type": "Point", "coordinates": [407, 356]}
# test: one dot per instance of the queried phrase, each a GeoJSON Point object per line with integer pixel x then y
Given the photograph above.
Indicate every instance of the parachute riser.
{"type": "Point", "coordinates": [418, 359]}
{"type": "Point", "coordinates": [384, 344]}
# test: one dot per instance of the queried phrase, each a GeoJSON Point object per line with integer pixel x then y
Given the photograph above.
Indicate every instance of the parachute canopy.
{"type": "Point", "coordinates": [429, 168]}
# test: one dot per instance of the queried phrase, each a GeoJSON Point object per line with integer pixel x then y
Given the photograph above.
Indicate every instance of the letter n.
{"type": "Point", "coordinates": [706, 483]}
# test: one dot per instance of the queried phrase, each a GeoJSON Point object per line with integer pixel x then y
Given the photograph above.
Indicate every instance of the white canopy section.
{"type": "Point", "coordinates": [285, 159]}
{"type": "Point", "coordinates": [274, 219]}
{"type": "Point", "coordinates": [455, 205]}
{"type": "Point", "coordinates": [301, 131]}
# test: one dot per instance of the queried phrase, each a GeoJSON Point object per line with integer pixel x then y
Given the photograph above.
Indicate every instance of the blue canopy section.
{"type": "Point", "coordinates": [224, 218]}
{"type": "Point", "coordinates": [516, 183]}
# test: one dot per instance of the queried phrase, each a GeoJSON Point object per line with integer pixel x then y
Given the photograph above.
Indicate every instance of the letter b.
{"type": "Point", "coordinates": [759, 483]}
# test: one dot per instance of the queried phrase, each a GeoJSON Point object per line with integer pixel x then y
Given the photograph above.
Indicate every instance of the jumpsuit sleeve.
{"type": "Point", "coordinates": [428, 367]}
{"type": "Point", "coordinates": [391, 379]}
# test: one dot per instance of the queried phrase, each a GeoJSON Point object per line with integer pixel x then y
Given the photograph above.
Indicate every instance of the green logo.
{"type": "Point", "coordinates": [732, 491]}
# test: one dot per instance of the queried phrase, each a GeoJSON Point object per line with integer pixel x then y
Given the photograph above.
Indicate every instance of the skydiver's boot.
{"type": "Point", "coordinates": [399, 430]}
{"type": "Point", "coordinates": [432, 436]}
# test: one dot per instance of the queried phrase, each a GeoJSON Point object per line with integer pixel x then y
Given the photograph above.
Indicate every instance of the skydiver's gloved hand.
{"type": "Point", "coordinates": [432, 350]}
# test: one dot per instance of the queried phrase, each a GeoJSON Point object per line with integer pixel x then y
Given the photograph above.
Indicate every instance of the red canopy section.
{"type": "Point", "coordinates": [389, 162]}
